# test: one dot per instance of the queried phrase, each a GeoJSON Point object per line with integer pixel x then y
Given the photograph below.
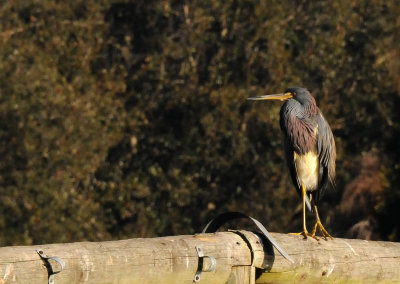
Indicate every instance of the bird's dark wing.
{"type": "Point", "coordinates": [289, 155]}
{"type": "Point", "coordinates": [327, 155]}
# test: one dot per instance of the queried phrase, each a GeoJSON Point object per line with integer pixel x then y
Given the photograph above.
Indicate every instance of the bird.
{"type": "Point", "coordinates": [310, 150]}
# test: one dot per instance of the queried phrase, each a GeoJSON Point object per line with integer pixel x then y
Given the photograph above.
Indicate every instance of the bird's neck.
{"type": "Point", "coordinates": [310, 108]}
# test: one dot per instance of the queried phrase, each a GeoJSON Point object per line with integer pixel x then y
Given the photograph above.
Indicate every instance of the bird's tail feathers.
{"type": "Point", "coordinates": [308, 204]}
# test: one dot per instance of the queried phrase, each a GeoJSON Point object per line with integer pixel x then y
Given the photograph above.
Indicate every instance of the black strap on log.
{"type": "Point", "coordinates": [221, 219]}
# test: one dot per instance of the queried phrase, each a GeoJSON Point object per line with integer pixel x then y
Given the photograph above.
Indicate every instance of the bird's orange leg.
{"type": "Point", "coordinates": [319, 225]}
{"type": "Point", "coordinates": [305, 232]}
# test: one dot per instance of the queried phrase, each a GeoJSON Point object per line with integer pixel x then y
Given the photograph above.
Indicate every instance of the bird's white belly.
{"type": "Point", "coordinates": [307, 166]}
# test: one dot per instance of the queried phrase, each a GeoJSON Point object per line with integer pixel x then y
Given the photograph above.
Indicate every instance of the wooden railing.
{"type": "Point", "coordinates": [223, 257]}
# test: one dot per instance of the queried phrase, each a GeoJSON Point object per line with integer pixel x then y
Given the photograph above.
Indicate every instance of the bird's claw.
{"type": "Point", "coordinates": [305, 234]}
{"type": "Point", "coordinates": [322, 230]}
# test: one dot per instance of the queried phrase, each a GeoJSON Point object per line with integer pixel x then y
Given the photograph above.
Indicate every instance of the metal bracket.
{"type": "Point", "coordinates": [50, 270]}
{"type": "Point", "coordinates": [201, 255]}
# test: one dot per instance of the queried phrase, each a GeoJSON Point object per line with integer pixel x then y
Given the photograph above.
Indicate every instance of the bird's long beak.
{"type": "Point", "coordinates": [281, 97]}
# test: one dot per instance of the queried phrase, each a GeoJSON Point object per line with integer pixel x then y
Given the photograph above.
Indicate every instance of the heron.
{"type": "Point", "coordinates": [310, 150]}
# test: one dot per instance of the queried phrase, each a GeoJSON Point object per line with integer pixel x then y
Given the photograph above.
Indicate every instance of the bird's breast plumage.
{"type": "Point", "coordinates": [301, 130]}
{"type": "Point", "coordinates": [307, 166]}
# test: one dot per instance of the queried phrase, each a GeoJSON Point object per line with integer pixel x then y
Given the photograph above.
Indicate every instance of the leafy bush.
{"type": "Point", "coordinates": [126, 119]}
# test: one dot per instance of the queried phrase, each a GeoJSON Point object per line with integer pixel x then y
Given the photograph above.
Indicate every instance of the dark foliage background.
{"type": "Point", "coordinates": [129, 118]}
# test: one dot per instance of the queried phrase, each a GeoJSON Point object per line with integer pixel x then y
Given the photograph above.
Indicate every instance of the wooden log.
{"type": "Point", "coordinates": [338, 260]}
{"type": "Point", "coordinates": [175, 260]}
{"type": "Point", "coordinates": [153, 260]}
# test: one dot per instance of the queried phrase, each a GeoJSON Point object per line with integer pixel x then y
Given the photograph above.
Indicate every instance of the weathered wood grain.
{"type": "Point", "coordinates": [156, 260]}
{"type": "Point", "coordinates": [339, 261]}
{"type": "Point", "coordinates": [175, 260]}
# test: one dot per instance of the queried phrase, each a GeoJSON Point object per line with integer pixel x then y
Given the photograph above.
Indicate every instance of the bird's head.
{"type": "Point", "coordinates": [302, 95]}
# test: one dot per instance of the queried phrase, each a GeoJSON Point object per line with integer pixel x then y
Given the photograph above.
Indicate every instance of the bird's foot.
{"type": "Point", "coordinates": [305, 234]}
{"type": "Point", "coordinates": [322, 230]}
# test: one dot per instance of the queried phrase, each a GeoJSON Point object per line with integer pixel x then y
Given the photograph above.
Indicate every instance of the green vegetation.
{"type": "Point", "coordinates": [128, 118]}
